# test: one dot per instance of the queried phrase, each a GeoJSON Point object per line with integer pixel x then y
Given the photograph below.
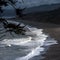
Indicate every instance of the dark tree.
{"type": "Point", "coordinates": [12, 27]}
{"type": "Point", "coordinates": [12, 3]}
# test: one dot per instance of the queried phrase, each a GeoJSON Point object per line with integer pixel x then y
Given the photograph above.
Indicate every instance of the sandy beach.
{"type": "Point", "coordinates": [53, 53]}
{"type": "Point", "coordinates": [44, 17]}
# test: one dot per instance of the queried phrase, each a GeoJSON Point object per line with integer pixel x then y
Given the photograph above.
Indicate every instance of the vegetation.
{"type": "Point", "coordinates": [12, 3]}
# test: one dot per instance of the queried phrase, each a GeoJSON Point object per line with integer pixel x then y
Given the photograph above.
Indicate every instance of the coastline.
{"type": "Point", "coordinates": [53, 53]}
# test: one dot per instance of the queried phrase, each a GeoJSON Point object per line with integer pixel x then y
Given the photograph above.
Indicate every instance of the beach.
{"type": "Point", "coordinates": [53, 53]}
{"type": "Point", "coordinates": [53, 30]}
{"type": "Point", "coordinates": [31, 30]}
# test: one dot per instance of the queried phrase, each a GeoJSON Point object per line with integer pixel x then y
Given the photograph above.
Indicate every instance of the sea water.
{"type": "Point", "coordinates": [30, 46]}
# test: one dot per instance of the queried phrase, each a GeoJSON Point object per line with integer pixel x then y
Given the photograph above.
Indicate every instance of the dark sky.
{"type": "Point", "coordinates": [30, 3]}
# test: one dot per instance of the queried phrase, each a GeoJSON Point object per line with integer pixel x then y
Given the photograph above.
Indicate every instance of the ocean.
{"type": "Point", "coordinates": [30, 46]}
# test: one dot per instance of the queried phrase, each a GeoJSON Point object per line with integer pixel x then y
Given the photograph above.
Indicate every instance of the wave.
{"type": "Point", "coordinates": [33, 41]}
{"type": "Point", "coordinates": [33, 53]}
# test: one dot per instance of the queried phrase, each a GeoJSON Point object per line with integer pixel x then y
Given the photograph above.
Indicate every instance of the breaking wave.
{"type": "Point", "coordinates": [32, 43]}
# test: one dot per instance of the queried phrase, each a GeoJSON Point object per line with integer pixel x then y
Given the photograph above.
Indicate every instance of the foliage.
{"type": "Point", "coordinates": [12, 3]}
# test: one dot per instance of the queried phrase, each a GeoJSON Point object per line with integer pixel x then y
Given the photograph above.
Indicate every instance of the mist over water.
{"type": "Point", "coordinates": [24, 47]}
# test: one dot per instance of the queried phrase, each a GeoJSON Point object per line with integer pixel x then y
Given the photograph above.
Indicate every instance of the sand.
{"type": "Point", "coordinates": [53, 53]}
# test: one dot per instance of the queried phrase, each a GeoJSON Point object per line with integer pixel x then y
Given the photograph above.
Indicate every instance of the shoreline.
{"type": "Point", "coordinates": [53, 53]}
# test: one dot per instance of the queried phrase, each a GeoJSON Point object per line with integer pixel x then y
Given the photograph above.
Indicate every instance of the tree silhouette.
{"type": "Point", "coordinates": [15, 28]}
{"type": "Point", "coordinates": [12, 3]}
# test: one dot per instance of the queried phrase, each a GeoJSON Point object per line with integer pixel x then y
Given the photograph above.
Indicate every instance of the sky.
{"type": "Point", "coordinates": [30, 3]}
{"type": "Point", "coordinates": [27, 4]}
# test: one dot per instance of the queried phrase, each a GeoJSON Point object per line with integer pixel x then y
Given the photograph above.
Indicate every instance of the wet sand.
{"type": "Point", "coordinates": [53, 53]}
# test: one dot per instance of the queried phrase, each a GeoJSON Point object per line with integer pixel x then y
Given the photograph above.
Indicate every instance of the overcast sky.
{"type": "Point", "coordinates": [30, 3]}
{"type": "Point", "coordinates": [27, 3]}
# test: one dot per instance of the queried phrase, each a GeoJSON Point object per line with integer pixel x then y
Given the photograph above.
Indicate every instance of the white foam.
{"type": "Point", "coordinates": [34, 40]}
{"type": "Point", "coordinates": [33, 53]}
{"type": "Point", "coordinates": [9, 42]}
{"type": "Point", "coordinates": [50, 42]}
